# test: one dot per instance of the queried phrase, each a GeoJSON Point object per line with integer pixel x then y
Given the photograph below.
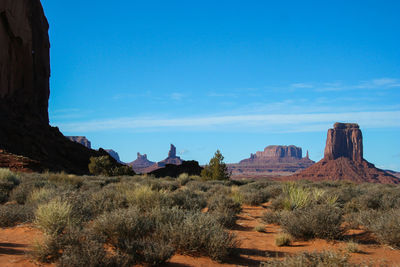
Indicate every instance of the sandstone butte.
{"type": "Point", "coordinates": [273, 160]}
{"type": "Point", "coordinates": [140, 163]}
{"type": "Point", "coordinates": [344, 160]}
{"type": "Point", "coordinates": [27, 141]}
{"type": "Point", "coordinates": [171, 159]}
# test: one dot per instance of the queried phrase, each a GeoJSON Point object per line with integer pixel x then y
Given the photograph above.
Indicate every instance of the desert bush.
{"type": "Point", "coordinates": [352, 247]}
{"type": "Point", "coordinates": [296, 197]}
{"type": "Point", "coordinates": [259, 228]}
{"type": "Point", "coordinates": [216, 169]}
{"type": "Point", "coordinates": [21, 193]}
{"type": "Point", "coordinates": [313, 259]}
{"type": "Point", "coordinates": [143, 197]}
{"type": "Point", "coordinates": [283, 239]}
{"type": "Point", "coordinates": [185, 199]}
{"type": "Point", "coordinates": [7, 176]}
{"type": "Point", "coordinates": [41, 195]}
{"type": "Point", "coordinates": [104, 166]}
{"type": "Point", "coordinates": [11, 215]}
{"type": "Point", "coordinates": [200, 233]}
{"type": "Point", "coordinates": [384, 224]}
{"type": "Point", "coordinates": [109, 198]}
{"type": "Point", "coordinates": [183, 179]}
{"type": "Point", "coordinates": [64, 179]}
{"type": "Point", "coordinates": [321, 221]}
{"type": "Point", "coordinates": [8, 180]}
{"type": "Point", "coordinates": [53, 217]}
{"type": "Point", "coordinates": [197, 186]}
{"type": "Point", "coordinates": [224, 208]}
{"type": "Point", "coordinates": [156, 253]}
{"type": "Point", "coordinates": [48, 250]}
{"type": "Point", "coordinates": [271, 217]}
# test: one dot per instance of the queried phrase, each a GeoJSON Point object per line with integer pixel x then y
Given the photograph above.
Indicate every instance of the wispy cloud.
{"type": "Point", "coordinates": [177, 96]}
{"type": "Point", "coordinates": [307, 122]}
{"type": "Point", "coordinates": [374, 84]}
{"type": "Point", "coordinates": [302, 85]}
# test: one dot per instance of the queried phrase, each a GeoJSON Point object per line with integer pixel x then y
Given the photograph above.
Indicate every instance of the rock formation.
{"type": "Point", "coordinates": [343, 159]}
{"type": "Point", "coordinates": [25, 132]}
{"type": "Point", "coordinates": [344, 140]}
{"type": "Point", "coordinates": [171, 159]}
{"type": "Point", "coordinates": [141, 163]}
{"type": "Point", "coordinates": [171, 170]}
{"type": "Point", "coordinates": [114, 155]}
{"type": "Point", "coordinates": [273, 160]}
{"type": "Point", "coordinates": [81, 140]}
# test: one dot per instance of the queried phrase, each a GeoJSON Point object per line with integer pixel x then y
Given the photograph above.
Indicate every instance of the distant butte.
{"type": "Point", "coordinates": [141, 163]}
{"type": "Point", "coordinates": [171, 159]}
{"type": "Point", "coordinates": [272, 161]}
{"type": "Point", "coordinates": [343, 159]}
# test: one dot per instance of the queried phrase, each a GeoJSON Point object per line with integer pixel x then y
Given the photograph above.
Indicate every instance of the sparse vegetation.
{"type": "Point", "coordinates": [122, 221]}
{"type": "Point", "coordinates": [216, 169]}
{"type": "Point", "coordinates": [104, 166]}
{"type": "Point", "coordinates": [283, 239]}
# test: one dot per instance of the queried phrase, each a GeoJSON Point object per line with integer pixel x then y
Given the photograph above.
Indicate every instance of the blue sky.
{"type": "Point", "coordinates": [237, 76]}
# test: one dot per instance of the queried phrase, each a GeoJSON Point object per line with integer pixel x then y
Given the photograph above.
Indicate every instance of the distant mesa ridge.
{"type": "Point", "coordinates": [343, 159]}
{"type": "Point", "coordinates": [272, 160]}
{"type": "Point", "coordinates": [143, 165]}
{"type": "Point", "coordinates": [80, 140]}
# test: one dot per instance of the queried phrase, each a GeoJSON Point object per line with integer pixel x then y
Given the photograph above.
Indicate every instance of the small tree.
{"type": "Point", "coordinates": [216, 169]}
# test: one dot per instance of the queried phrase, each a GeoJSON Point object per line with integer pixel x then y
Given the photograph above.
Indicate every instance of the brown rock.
{"type": "Point", "coordinates": [344, 140]}
{"type": "Point", "coordinates": [344, 160]}
{"type": "Point", "coordinates": [81, 140]}
{"type": "Point", "coordinates": [141, 163]}
{"type": "Point", "coordinates": [282, 160]}
{"type": "Point", "coordinates": [171, 159]}
{"type": "Point", "coordinates": [24, 92]}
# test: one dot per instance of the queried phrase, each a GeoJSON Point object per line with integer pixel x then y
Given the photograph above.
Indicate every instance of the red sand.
{"type": "Point", "coordinates": [255, 247]}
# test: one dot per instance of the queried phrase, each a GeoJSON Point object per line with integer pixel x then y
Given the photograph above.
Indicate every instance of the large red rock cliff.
{"type": "Point", "coordinates": [24, 94]}
{"type": "Point", "coordinates": [343, 159]}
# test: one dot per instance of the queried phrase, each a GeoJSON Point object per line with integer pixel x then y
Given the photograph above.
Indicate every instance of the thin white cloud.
{"type": "Point", "coordinates": [306, 122]}
{"type": "Point", "coordinates": [381, 83]}
{"type": "Point", "coordinates": [177, 96]}
{"type": "Point", "coordinates": [302, 85]}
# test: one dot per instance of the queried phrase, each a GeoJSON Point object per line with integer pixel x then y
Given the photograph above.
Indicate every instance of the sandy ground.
{"type": "Point", "coordinates": [255, 247]}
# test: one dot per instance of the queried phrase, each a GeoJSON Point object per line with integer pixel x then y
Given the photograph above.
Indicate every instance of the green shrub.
{"type": "Point", "coordinates": [216, 169]}
{"type": "Point", "coordinates": [48, 250]}
{"type": "Point", "coordinates": [314, 259]}
{"type": "Point", "coordinates": [185, 199]}
{"type": "Point", "coordinates": [8, 180]}
{"type": "Point", "coordinates": [183, 179]}
{"type": "Point", "coordinates": [53, 217]}
{"type": "Point", "coordinates": [322, 221]}
{"type": "Point", "coordinates": [21, 193]}
{"type": "Point", "coordinates": [283, 239]}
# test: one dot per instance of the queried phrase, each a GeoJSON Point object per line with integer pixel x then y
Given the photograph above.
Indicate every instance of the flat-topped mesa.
{"type": "Point", "coordinates": [81, 140]}
{"type": "Point", "coordinates": [280, 152]}
{"type": "Point", "coordinates": [344, 140]}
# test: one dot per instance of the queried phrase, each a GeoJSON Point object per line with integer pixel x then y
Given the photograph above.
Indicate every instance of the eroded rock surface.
{"type": "Point", "coordinates": [273, 160]}
{"type": "Point", "coordinates": [24, 92]}
{"type": "Point", "coordinates": [141, 163]}
{"type": "Point", "coordinates": [343, 159]}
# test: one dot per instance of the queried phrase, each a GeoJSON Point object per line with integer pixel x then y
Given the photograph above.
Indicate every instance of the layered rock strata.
{"type": "Point", "coordinates": [24, 92]}
{"type": "Point", "coordinates": [343, 159]}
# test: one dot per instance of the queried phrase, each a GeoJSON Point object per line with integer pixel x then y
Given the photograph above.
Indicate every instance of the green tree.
{"type": "Point", "coordinates": [216, 169]}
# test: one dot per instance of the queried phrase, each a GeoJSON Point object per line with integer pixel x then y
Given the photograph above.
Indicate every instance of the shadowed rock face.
{"type": "Point", "coordinates": [25, 133]}
{"type": "Point", "coordinates": [113, 154]}
{"type": "Point", "coordinates": [171, 170]}
{"type": "Point", "coordinates": [24, 60]}
{"type": "Point", "coordinates": [344, 140]}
